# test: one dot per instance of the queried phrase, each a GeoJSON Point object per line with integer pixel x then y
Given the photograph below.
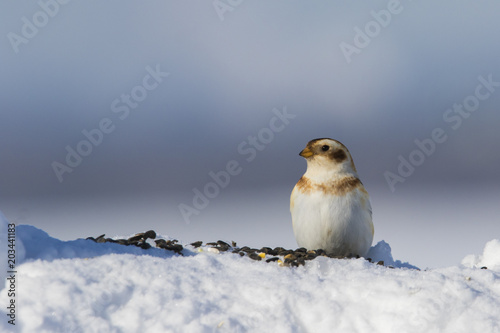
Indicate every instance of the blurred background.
{"type": "Point", "coordinates": [376, 75]}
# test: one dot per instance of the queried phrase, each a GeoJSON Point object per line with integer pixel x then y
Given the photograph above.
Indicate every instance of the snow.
{"type": "Point", "coordinates": [490, 257]}
{"type": "Point", "coordinates": [83, 286]}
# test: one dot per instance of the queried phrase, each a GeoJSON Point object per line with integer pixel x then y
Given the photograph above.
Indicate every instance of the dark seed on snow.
{"type": "Point", "coordinates": [272, 259]}
{"type": "Point", "coordinates": [233, 243]}
{"type": "Point", "coordinates": [160, 242]}
{"type": "Point", "coordinates": [289, 261]}
{"type": "Point", "coordinates": [145, 245]}
{"type": "Point", "coordinates": [197, 244]}
{"type": "Point", "coordinates": [320, 252]}
{"type": "Point", "coordinates": [223, 247]}
{"type": "Point", "coordinates": [100, 239]}
{"type": "Point", "coordinates": [254, 256]}
{"type": "Point", "coordinates": [381, 262]}
{"type": "Point", "coordinates": [284, 252]}
{"type": "Point", "coordinates": [369, 259]}
{"type": "Point", "coordinates": [136, 238]}
{"type": "Point", "coordinates": [169, 245]}
{"type": "Point", "coordinates": [177, 248]}
{"type": "Point", "coordinates": [310, 256]}
{"type": "Point", "coordinates": [150, 234]}
{"type": "Point", "coordinates": [266, 250]}
{"type": "Point", "coordinates": [272, 252]}
{"type": "Point", "coordinates": [484, 267]}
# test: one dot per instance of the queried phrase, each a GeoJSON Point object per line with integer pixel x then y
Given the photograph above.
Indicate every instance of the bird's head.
{"type": "Point", "coordinates": [328, 156]}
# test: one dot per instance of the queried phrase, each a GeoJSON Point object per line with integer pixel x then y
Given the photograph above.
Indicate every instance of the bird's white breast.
{"type": "Point", "coordinates": [339, 224]}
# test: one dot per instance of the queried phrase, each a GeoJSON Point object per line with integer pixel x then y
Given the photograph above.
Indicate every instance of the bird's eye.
{"type": "Point", "coordinates": [325, 148]}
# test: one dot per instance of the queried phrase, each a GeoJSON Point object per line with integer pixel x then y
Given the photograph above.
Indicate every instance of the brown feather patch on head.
{"type": "Point", "coordinates": [339, 155]}
{"type": "Point", "coordinates": [335, 187]}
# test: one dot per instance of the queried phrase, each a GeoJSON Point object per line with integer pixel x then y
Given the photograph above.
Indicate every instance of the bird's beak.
{"type": "Point", "coordinates": [306, 153]}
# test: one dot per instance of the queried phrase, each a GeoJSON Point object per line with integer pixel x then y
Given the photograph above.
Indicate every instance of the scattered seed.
{"type": "Point", "coordinates": [293, 258]}
{"type": "Point", "coordinates": [145, 246]}
{"type": "Point", "coordinates": [122, 241]}
{"type": "Point", "coordinates": [273, 259]}
{"type": "Point", "coordinates": [284, 252]}
{"type": "Point", "coordinates": [223, 243]}
{"type": "Point", "coordinates": [267, 250]}
{"type": "Point", "coordinates": [223, 247]}
{"type": "Point", "coordinates": [136, 238]}
{"type": "Point", "coordinates": [197, 244]}
{"type": "Point", "coordinates": [160, 243]}
{"type": "Point", "coordinates": [254, 256]}
{"type": "Point", "coordinates": [150, 234]}
{"type": "Point", "coordinates": [320, 252]}
{"type": "Point", "coordinates": [310, 256]}
{"type": "Point", "coordinates": [169, 245]}
{"type": "Point", "coordinates": [100, 239]}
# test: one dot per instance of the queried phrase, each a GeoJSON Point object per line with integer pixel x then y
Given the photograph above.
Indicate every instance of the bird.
{"type": "Point", "coordinates": [329, 205]}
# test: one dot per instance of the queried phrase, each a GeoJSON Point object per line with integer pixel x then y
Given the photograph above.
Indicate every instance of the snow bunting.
{"type": "Point", "coordinates": [330, 207]}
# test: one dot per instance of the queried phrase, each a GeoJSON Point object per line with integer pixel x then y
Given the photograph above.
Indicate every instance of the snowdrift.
{"type": "Point", "coordinates": [84, 286]}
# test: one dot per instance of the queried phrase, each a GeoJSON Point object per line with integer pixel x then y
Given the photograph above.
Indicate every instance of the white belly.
{"type": "Point", "coordinates": [340, 225]}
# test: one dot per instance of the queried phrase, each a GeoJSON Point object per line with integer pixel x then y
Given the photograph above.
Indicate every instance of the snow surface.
{"type": "Point", "coordinates": [83, 286]}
